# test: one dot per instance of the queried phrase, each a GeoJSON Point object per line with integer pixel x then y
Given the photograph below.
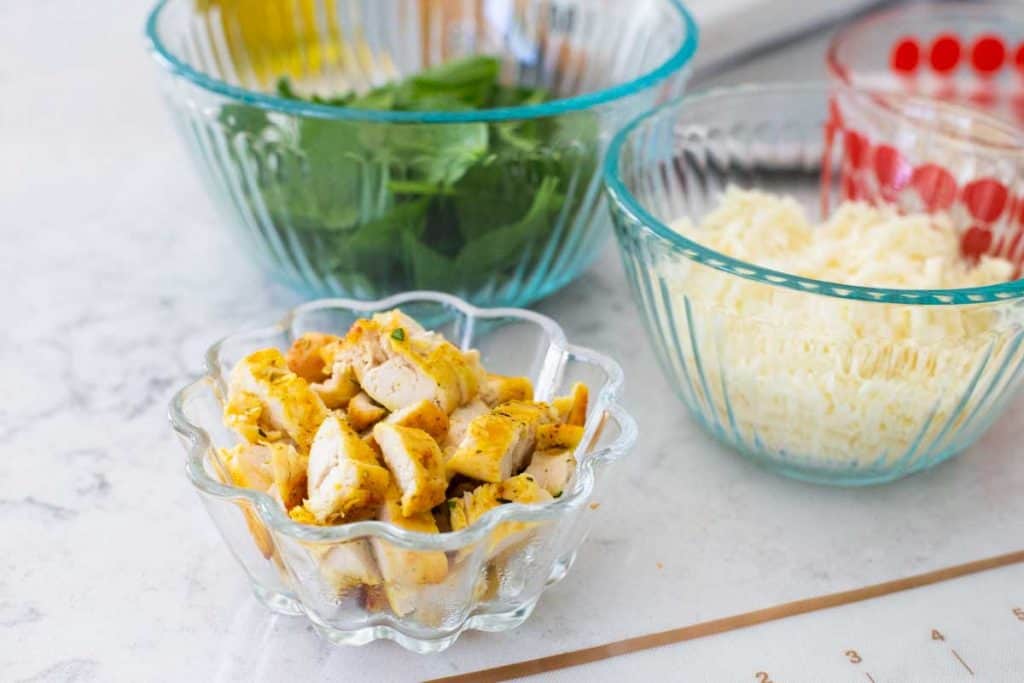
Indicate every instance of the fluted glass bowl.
{"type": "Point", "coordinates": [499, 206]}
{"type": "Point", "coordinates": [798, 379]}
{"type": "Point", "coordinates": [289, 564]}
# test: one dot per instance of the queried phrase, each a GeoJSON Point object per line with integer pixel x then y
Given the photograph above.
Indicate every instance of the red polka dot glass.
{"type": "Point", "coordinates": [928, 105]}
{"type": "Point", "coordinates": [971, 53]}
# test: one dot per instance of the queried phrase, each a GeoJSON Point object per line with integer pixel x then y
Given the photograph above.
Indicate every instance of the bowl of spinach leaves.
{"type": "Point", "coordinates": [474, 174]}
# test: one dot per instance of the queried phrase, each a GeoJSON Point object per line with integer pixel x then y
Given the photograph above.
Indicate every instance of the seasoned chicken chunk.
{"type": "Point", "coordinates": [287, 404]}
{"type": "Point", "coordinates": [474, 504]}
{"type": "Point", "coordinates": [459, 421]}
{"type": "Point", "coordinates": [404, 571]}
{"type": "Point", "coordinates": [344, 476]}
{"type": "Point", "coordinates": [408, 378]}
{"type": "Point", "coordinates": [339, 388]}
{"type": "Point", "coordinates": [416, 463]}
{"type": "Point", "coordinates": [363, 413]}
{"type": "Point", "coordinates": [274, 468]}
{"type": "Point", "coordinates": [348, 565]}
{"type": "Point", "coordinates": [572, 409]}
{"type": "Point", "coordinates": [498, 389]}
{"type": "Point", "coordinates": [424, 415]}
{"type": "Point", "coordinates": [558, 436]}
{"type": "Point", "coordinates": [305, 357]}
{"type": "Point", "coordinates": [552, 470]}
{"type": "Point", "coordinates": [498, 445]}
{"type": "Point", "coordinates": [288, 468]}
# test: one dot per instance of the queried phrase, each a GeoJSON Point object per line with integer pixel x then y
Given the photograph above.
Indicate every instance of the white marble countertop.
{"type": "Point", "coordinates": [116, 276]}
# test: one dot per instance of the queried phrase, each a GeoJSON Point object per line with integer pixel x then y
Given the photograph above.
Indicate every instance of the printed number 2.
{"type": "Point", "coordinates": [853, 656]}
{"type": "Point", "coordinates": [762, 677]}
{"type": "Point", "coordinates": [1019, 613]}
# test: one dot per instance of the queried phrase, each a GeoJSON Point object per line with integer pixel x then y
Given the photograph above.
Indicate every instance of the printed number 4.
{"type": "Point", "coordinates": [762, 677]}
{"type": "Point", "coordinates": [937, 636]}
{"type": "Point", "coordinates": [1019, 613]}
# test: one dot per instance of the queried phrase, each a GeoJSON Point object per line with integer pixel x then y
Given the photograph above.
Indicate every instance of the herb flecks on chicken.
{"type": "Point", "coordinates": [390, 421]}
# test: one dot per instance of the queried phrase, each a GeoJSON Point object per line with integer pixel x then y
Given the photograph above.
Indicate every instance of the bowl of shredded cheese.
{"type": "Point", "coordinates": [849, 348]}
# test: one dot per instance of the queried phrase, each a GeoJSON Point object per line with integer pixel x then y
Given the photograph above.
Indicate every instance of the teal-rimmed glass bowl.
{"type": "Point", "coordinates": [791, 380]}
{"type": "Point", "coordinates": [343, 201]}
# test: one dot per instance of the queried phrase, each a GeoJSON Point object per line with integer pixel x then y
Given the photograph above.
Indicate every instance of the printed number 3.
{"type": "Point", "coordinates": [853, 656]}
{"type": "Point", "coordinates": [762, 677]}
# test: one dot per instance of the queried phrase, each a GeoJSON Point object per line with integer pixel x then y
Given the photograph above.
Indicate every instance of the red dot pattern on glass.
{"type": "Point", "coordinates": [945, 53]}
{"type": "Point", "coordinates": [988, 54]}
{"type": "Point", "coordinates": [906, 55]}
{"type": "Point", "coordinates": [890, 169]}
{"type": "Point", "coordinates": [985, 199]}
{"type": "Point", "coordinates": [975, 242]}
{"type": "Point", "coordinates": [880, 174]}
{"type": "Point", "coordinates": [935, 186]}
{"type": "Point", "coordinates": [856, 148]}
{"type": "Point", "coordinates": [1018, 57]}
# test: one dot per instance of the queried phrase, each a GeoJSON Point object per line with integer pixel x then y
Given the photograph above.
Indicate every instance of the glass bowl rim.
{"type": "Point", "coordinates": [624, 200]}
{"type": "Point", "coordinates": [269, 511]}
{"type": "Point", "coordinates": [677, 61]}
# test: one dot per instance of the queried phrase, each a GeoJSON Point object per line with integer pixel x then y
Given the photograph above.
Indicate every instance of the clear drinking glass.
{"type": "Point", "coordinates": [487, 576]}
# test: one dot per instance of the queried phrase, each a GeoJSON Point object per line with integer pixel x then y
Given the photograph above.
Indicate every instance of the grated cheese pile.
{"type": "Point", "coordinates": [820, 378]}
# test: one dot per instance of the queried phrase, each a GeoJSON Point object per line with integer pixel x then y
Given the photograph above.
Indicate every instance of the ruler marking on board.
{"type": "Point", "coordinates": [961, 660]}
{"type": "Point", "coordinates": [708, 628]}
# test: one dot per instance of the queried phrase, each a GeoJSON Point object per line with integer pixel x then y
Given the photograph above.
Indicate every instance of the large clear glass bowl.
{"type": "Point", "coordinates": [797, 376]}
{"type": "Point", "coordinates": [343, 201]}
{"type": "Point", "coordinates": [491, 584]}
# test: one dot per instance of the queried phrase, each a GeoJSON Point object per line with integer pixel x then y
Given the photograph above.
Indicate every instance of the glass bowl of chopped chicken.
{"type": "Point", "coordinates": [833, 340]}
{"type": "Point", "coordinates": [362, 149]}
{"type": "Point", "coordinates": [389, 483]}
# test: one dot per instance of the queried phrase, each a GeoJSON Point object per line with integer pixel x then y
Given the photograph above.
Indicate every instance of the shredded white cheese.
{"type": "Point", "coordinates": [820, 378]}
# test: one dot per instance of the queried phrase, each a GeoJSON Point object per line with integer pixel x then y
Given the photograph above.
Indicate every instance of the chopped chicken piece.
{"type": "Point", "coordinates": [416, 463]}
{"type": "Point", "coordinates": [338, 389]}
{"type": "Point", "coordinates": [404, 570]}
{"type": "Point", "coordinates": [464, 371]}
{"type": "Point", "coordinates": [475, 504]}
{"type": "Point", "coordinates": [360, 349]}
{"type": "Point", "coordinates": [344, 475]}
{"type": "Point", "coordinates": [500, 389]}
{"type": "Point", "coordinates": [497, 445]}
{"type": "Point", "coordinates": [305, 359]}
{"type": "Point", "coordinates": [248, 466]}
{"type": "Point", "coordinates": [288, 404]}
{"type": "Point", "coordinates": [552, 470]}
{"type": "Point", "coordinates": [244, 414]}
{"type": "Point", "coordinates": [275, 468]}
{"type": "Point", "coordinates": [349, 565]}
{"type": "Point", "coordinates": [558, 436]}
{"type": "Point", "coordinates": [459, 421]}
{"type": "Point", "coordinates": [407, 378]}
{"type": "Point", "coordinates": [288, 467]}
{"type": "Point", "coordinates": [363, 413]}
{"type": "Point", "coordinates": [572, 409]}
{"type": "Point", "coordinates": [424, 415]}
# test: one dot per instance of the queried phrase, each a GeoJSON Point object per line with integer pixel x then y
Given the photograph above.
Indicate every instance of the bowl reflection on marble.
{"type": "Point", "coordinates": [286, 561]}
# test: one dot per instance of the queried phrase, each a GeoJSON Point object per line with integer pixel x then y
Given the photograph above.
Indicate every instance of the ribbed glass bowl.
{"type": "Point", "coordinates": [346, 202]}
{"type": "Point", "coordinates": [485, 588]}
{"type": "Point", "coordinates": [797, 378]}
